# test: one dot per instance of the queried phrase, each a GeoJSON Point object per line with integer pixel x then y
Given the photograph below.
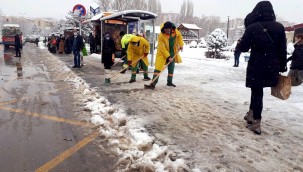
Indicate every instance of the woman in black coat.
{"type": "Point", "coordinates": [267, 41]}
{"type": "Point", "coordinates": [108, 51]}
{"type": "Point", "coordinates": [297, 57]}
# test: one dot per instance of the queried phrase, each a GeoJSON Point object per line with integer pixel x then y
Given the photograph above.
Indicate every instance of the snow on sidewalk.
{"type": "Point", "coordinates": [197, 125]}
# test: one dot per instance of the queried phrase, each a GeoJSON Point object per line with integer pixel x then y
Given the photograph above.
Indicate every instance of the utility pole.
{"type": "Point", "coordinates": [22, 15]}
{"type": "Point", "coordinates": [227, 26]}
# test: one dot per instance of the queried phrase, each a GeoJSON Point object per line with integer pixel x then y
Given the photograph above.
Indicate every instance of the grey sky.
{"type": "Point", "coordinates": [287, 9]}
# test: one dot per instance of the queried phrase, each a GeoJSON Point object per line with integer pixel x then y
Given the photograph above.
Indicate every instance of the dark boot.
{"type": "Point", "coordinates": [146, 78]}
{"type": "Point", "coordinates": [123, 71]}
{"type": "Point", "coordinates": [171, 84]}
{"type": "Point", "coordinates": [256, 126]}
{"type": "Point", "coordinates": [150, 86]}
{"type": "Point", "coordinates": [132, 80]}
{"type": "Point", "coordinates": [249, 117]}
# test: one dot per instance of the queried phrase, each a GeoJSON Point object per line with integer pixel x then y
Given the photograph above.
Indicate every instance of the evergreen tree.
{"type": "Point", "coordinates": [216, 40]}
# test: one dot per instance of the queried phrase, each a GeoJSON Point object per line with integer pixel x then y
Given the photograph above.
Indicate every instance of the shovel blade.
{"type": "Point", "coordinates": [149, 86]}
{"type": "Point", "coordinates": [107, 81]}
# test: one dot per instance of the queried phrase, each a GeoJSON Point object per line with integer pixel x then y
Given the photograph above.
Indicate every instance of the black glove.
{"type": "Point", "coordinates": [167, 59]}
{"type": "Point", "coordinates": [129, 63]}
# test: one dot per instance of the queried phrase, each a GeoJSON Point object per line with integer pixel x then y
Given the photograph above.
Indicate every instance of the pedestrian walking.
{"type": "Point", "coordinates": [17, 45]}
{"type": "Point", "coordinates": [267, 41]}
{"type": "Point", "coordinates": [37, 41]}
{"type": "Point", "coordinates": [77, 45]}
{"type": "Point", "coordinates": [297, 58]}
{"type": "Point", "coordinates": [237, 54]}
{"type": "Point", "coordinates": [108, 51]}
{"type": "Point", "coordinates": [138, 48]}
{"type": "Point", "coordinates": [170, 41]}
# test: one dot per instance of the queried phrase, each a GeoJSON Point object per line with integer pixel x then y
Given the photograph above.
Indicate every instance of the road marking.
{"type": "Point", "coordinates": [52, 118]}
{"type": "Point", "coordinates": [60, 158]}
{"type": "Point", "coordinates": [29, 97]}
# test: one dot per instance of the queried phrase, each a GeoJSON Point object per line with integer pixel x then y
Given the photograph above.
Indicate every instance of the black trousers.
{"type": "Point", "coordinates": [18, 53]}
{"type": "Point", "coordinates": [256, 101]}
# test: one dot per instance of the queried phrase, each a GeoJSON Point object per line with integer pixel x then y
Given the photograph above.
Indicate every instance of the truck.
{"type": "Point", "coordinates": [8, 34]}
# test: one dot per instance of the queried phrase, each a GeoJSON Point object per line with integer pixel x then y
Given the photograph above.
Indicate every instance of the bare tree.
{"type": "Point", "coordinates": [182, 12]}
{"type": "Point", "coordinates": [152, 6]}
{"type": "Point", "coordinates": [189, 11]}
{"type": "Point", "coordinates": [105, 5]}
{"type": "Point", "coordinates": [121, 4]}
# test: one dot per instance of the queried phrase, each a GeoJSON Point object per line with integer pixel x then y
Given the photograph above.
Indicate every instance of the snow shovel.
{"type": "Point", "coordinates": [119, 60]}
{"type": "Point", "coordinates": [150, 85]}
{"type": "Point", "coordinates": [107, 80]}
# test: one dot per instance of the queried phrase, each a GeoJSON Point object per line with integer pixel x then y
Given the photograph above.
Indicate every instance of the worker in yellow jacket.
{"type": "Point", "coordinates": [170, 41]}
{"type": "Point", "coordinates": [138, 48]}
{"type": "Point", "coordinates": [125, 38]}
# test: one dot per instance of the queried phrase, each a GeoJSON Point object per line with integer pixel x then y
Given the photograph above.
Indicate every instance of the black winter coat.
{"type": "Point", "coordinates": [79, 43]}
{"type": "Point", "coordinates": [108, 49]}
{"type": "Point", "coordinates": [17, 41]}
{"type": "Point", "coordinates": [267, 58]}
{"type": "Point", "coordinates": [297, 58]}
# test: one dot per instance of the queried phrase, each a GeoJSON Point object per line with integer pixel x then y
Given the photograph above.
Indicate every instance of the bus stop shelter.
{"type": "Point", "coordinates": [131, 16]}
{"type": "Point", "coordinates": [189, 31]}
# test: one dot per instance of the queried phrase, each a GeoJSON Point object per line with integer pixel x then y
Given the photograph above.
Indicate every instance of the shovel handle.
{"type": "Point", "coordinates": [119, 60]}
{"type": "Point", "coordinates": [125, 68]}
{"type": "Point", "coordinates": [163, 69]}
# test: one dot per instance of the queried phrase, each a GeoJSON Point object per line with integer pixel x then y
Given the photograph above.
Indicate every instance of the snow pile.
{"type": "Point", "coordinates": [124, 137]}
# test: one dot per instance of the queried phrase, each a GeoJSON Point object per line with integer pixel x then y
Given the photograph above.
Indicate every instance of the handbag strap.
{"type": "Point", "coordinates": [265, 31]}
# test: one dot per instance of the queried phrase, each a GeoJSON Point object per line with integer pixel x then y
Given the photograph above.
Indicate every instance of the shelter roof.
{"type": "Point", "coordinates": [189, 26]}
{"type": "Point", "coordinates": [130, 16]}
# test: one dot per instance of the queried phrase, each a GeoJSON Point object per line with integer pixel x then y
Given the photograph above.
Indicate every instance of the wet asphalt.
{"type": "Point", "coordinates": [29, 98]}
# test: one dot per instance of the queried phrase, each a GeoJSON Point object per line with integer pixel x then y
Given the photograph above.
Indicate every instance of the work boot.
{"type": "Point", "coordinates": [256, 126]}
{"type": "Point", "coordinates": [171, 84]}
{"type": "Point", "coordinates": [146, 78]}
{"type": "Point", "coordinates": [150, 86]}
{"type": "Point", "coordinates": [249, 117]}
{"type": "Point", "coordinates": [132, 80]}
{"type": "Point", "coordinates": [123, 71]}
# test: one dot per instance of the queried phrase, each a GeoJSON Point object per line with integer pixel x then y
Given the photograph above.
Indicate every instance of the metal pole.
{"type": "Point", "coordinates": [153, 43]}
{"type": "Point", "coordinates": [101, 30]}
{"type": "Point", "coordinates": [80, 26]}
{"type": "Point", "coordinates": [227, 26]}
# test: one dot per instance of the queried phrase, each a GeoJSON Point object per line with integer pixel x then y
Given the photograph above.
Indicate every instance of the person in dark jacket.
{"type": "Point", "coordinates": [108, 51]}
{"type": "Point", "coordinates": [237, 54]}
{"type": "Point", "coordinates": [267, 41]}
{"type": "Point", "coordinates": [17, 45]}
{"type": "Point", "coordinates": [67, 46]}
{"type": "Point", "coordinates": [92, 43]}
{"type": "Point", "coordinates": [297, 57]}
{"type": "Point", "coordinates": [37, 41]}
{"type": "Point", "coordinates": [76, 42]}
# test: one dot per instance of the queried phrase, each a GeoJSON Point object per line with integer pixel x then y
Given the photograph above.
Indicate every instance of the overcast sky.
{"type": "Point", "coordinates": [290, 10]}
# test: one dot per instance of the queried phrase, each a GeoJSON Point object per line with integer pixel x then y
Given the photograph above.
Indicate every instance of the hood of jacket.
{"type": "Point", "coordinates": [263, 11]}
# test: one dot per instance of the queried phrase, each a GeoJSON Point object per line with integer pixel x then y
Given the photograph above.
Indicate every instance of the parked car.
{"type": "Point", "coordinates": [193, 44]}
{"type": "Point", "coordinates": [202, 45]}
